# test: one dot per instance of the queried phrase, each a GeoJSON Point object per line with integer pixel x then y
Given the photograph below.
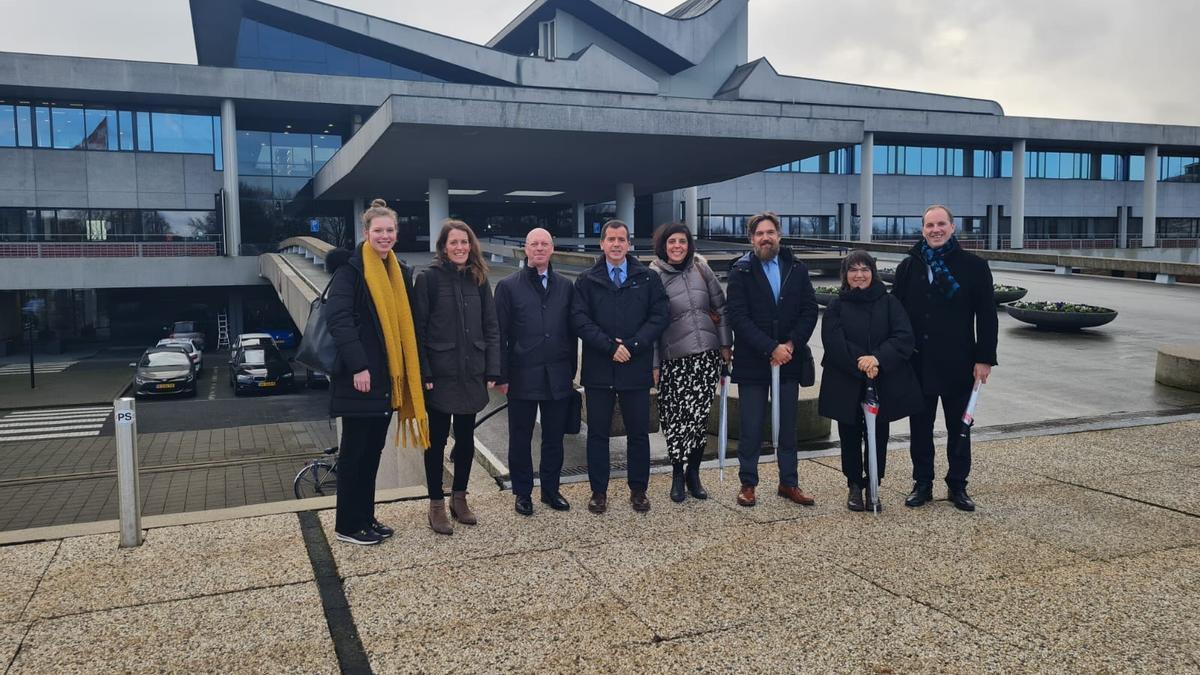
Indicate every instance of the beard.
{"type": "Point", "coordinates": [766, 251]}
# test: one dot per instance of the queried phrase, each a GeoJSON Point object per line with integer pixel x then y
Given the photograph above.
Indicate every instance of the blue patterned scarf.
{"type": "Point", "coordinates": [935, 258]}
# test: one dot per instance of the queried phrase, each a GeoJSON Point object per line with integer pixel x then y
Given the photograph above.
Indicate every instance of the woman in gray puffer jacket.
{"type": "Point", "coordinates": [688, 357]}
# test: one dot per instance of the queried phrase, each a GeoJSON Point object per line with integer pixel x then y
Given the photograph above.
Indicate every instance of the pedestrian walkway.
{"type": "Point", "coordinates": [50, 423]}
{"type": "Point", "coordinates": [1082, 558]}
{"type": "Point", "coordinates": [39, 367]}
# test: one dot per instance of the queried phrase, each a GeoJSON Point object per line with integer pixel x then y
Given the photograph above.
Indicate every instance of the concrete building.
{"type": "Point", "coordinates": [135, 193]}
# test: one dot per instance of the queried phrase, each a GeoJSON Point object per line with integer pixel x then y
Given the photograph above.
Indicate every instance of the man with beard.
{"type": "Point", "coordinates": [537, 364]}
{"type": "Point", "coordinates": [619, 311]}
{"type": "Point", "coordinates": [773, 312]}
{"type": "Point", "coordinates": [947, 293]}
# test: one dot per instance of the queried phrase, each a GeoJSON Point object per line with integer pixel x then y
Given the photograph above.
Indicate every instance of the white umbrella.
{"type": "Point", "coordinates": [870, 407]}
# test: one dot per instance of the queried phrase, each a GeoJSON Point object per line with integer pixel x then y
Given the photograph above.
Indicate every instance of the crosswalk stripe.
{"type": "Point", "coordinates": [61, 427]}
{"type": "Point", "coordinates": [53, 416]}
{"type": "Point", "coordinates": [42, 437]}
{"type": "Point", "coordinates": [6, 424]}
{"type": "Point", "coordinates": [59, 411]}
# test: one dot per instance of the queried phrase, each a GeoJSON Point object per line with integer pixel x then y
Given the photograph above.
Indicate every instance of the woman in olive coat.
{"type": "Point", "coordinates": [460, 342]}
{"type": "Point", "coordinates": [867, 337]}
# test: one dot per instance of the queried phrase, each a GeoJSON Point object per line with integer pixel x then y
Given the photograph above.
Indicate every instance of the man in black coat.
{"type": "Point", "coordinates": [773, 311]}
{"type": "Point", "coordinates": [947, 293]}
{"type": "Point", "coordinates": [538, 354]}
{"type": "Point", "coordinates": [619, 311]}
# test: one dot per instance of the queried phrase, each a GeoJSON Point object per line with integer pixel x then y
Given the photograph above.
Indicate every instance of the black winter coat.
{"type": "Point", "coordinates": [354, 324]}
{"type": "Point", "coordinates": [538, 350]}
{"type": "Point", "coordinates": [637, 313]}
{"type": "Point", "coordinates": [951, 335]}
{"type": "Point", "coordinates": [760, 323]}
{"type": "Point", "coordinates": [867, 322]}
{"type": "Point", "coordinates": [459, 337]}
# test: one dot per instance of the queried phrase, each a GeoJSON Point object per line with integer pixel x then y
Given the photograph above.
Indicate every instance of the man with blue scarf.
{"type": "Point", "coordinates": [947, 293]}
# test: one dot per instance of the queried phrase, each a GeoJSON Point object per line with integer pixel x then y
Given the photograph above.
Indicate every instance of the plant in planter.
{"type": "Point", "coordinates": [887, 274]}
{"type": "Point", "coordinates": [1061, 315]}
{"type": "Point", "coordinates": [825, 294]}
{"type": "Point", "coordinates": [1005, 294]}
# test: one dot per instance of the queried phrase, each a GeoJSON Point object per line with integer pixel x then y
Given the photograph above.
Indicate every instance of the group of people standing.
{"type": "Point", "coordinates": [427, 350]}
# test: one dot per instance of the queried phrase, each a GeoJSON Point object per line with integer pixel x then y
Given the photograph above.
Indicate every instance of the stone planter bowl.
{"type": "Point", "coordinates": [1007, 296]}
{"type": "Point", "coordinates": [1061, 320]}
{"type": "Point", "coordinates": [887, 275]}
{"type": "Point", "coordinates": [823, 299]}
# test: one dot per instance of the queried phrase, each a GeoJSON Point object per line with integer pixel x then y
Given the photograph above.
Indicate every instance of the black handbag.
{"type": "Point", "coordinates": [574, 412]}
{"type": "Point", "coordinates": [317, 349]}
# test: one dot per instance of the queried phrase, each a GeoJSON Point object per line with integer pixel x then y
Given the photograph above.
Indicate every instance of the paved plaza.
{"type": "Point", "coordinates": [1082, 558]}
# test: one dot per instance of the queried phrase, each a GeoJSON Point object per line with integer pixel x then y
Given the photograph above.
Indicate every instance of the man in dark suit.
{"type": "Point", "coordinates": [948, 295]}
{"type": "Point", "coordinates": [537, 366]}
{"type": "Point", "coordinates": [773, 311]}
{"type": "Point", "coordinates": [620, 309]}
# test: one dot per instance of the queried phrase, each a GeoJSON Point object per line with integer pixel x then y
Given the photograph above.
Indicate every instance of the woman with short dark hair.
{"type": "Point", "coordinates": [688, 356]}
{"type": "Point", "coordinates": [460, 340]}
{"type": "Point", "coordinates": [867, 338]}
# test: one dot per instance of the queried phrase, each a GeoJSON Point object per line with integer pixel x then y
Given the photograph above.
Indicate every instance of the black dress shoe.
{"type": "Point", "coordinates": [921, 493]}
{"type": "Point", "coordinates": [962, 501]}
{"type": "Point", "coordinates": [524, 506]}
{"type": "Point", "coordinates": [382, 530]}
{"type": "Point", "coordinates": [678, 494]}
{"type": "Point", "coordinates": [598, 503]}
{"type": "Point", "coordinates": [854, 500]}
{"type": "Point", "coordinates": [557, 502]}
{"type": "Point", "coordinates": [641, 503]}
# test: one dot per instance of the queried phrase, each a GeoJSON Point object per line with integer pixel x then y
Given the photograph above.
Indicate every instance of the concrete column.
{"type": "Point", "coordinates": [439, 207]}
{"type": "Point", "coordinates": [845, 220]}
{"type": "Point", "coordinates": [580, 220]}
{"type": "Point", "coordinates": [236, 320]}
{"type": "Point", "coordinates": [1017, 213]}
{"type": "Point", "coordinates": [1122, 227]}
{"type": "Point", "coordinates": [866, 189]}
{"type": "Point", "coordinates": [1150, 198]}
{"type": "Point", "coordinates": [360, 205]}
{"type": "Point", "coordinates": [691, 200]}
{"type": "Point", "coordinates": [233, 218]}
{"type": "Point", "coordinates": [994, 227]}
{"type": "Point", "coordinates": [625, 202]}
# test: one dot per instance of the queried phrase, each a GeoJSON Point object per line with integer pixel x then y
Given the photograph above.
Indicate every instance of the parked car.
{"type": "Point", "coordinates": [188, 346]}
{"type": "Point", "coordinates": [284, 338]}
{"type": "Point", "coordinates": [164, 370]}
{"type": "Point", "coordinates": [252, 339]}
{"type": "Point", "coordinates": [259, 368]}
{"type": "Point", "coordinates": [188, 330]}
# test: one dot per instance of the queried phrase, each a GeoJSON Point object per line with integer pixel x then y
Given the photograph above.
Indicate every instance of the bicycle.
{"type": "Point", "coordinates": [318, 478]}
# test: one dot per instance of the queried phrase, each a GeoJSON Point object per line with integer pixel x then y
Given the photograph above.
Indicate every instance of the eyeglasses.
{"type": "Point", "coordinates": [859, 270]}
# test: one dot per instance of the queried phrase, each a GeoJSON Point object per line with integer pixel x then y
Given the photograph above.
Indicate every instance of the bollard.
{"type": "Point", "coordinates": [129, 502]}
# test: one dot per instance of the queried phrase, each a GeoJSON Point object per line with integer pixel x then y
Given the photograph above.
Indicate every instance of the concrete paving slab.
{"type": "Point", "coordinates": [1097, 525]}
{"type": "Point", "coordinates": [1135, 614]}
{"type": "Point", "coordinates": [501, 529]}
{"type": "Point", "coordinates": [1178, 489]}
{"type": "Point", "coordinates": [91, 573]}
{"type": "Point", "coordinates": [268, 630]}
{"type": "Point", "coordinates": [22, 568]}
{"type": "Point", "coordinates": [1074, 457]}
{"type": "Point", "coordinates": [826, 485]}
{"type": "Point", "coordinates": [538, 611]}
{"type": "Point", "coordinates": [11, 635]}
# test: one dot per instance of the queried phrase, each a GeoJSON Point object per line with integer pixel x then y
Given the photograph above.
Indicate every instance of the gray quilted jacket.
{"type": "Point", "coordinates": [695, 296]}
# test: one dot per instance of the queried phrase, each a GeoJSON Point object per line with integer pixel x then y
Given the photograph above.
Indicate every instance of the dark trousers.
{"type": "Point", "coordinates": [958, 447]}
{"type": "Point", "coordinates": [635, 411]}
{"type": "Point", "coordinates": [756, 411]}
{"type": "Point", "coordinates": [855, 447]}
{"type": "Point", "coordinates": [521, 417]}
{"type": "Point", "coordinates": [362, 444]}
{"type": "Point", "coordinates": [462, 454]}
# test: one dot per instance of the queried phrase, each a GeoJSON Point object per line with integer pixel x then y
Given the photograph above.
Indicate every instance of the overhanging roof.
{"type": "Point", "coordinates": [582, 151]}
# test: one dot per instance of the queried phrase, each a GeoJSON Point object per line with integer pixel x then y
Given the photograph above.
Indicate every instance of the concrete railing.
{"type": "Point", "coordinates": [295, 291]}
{"type": "Point", "coordinates": [310, 247]}
{"type": "Point", "coordinates": [1164, 271]}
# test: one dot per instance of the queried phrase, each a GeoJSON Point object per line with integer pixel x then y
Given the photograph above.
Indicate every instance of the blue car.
{"type": "Point", "coordinates": [284, 339]}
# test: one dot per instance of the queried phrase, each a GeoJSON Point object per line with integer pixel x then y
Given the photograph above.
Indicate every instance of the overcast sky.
{"type": "Point", "coordinates": [1124, 60]}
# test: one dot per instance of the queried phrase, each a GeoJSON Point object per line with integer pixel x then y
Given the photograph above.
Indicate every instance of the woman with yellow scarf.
{"type": "Point", "coordinates": [378, 370]}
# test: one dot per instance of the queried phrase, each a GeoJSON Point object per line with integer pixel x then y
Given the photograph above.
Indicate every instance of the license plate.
{"type": "Point", "coordinates": [168, 385]}
{"type": "Point", "coordinates": [266, 384]}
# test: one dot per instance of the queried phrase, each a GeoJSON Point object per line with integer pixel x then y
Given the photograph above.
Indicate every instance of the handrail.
{"type": "Point", "coordinates": [317, 247]}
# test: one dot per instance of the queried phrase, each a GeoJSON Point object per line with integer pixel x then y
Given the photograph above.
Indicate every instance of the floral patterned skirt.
{"type": "Point", "coordinates": [685, 395]}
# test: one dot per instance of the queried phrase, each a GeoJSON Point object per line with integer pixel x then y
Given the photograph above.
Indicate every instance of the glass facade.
{"type": "Point", "coordinates": [108, 225]}
{"type": "Point", "coordinates": [268, 48]}
{"type": "Point", "coordinates": [76, 127]}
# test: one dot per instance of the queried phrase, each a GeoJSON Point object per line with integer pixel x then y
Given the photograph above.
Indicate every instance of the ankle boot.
{"type": "Point", "coordinates": [459, 509]}
{"type": "Point", "coordinates": [693, 479]}
{"type": "Point", "coordinates": [438, 521]}
{"type": "Point", "coordinates": [677, 493]}
{"type": "Point", "coordinates": [854, 500]}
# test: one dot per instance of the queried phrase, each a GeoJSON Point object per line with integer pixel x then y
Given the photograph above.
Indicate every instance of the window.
{"type": "Point", "coordinates": [18, 224]}
{"type": "Point", "coordinates": [24, 126]}
{"type": "Point", "coordinates": [42, 124]}
{"type": "Point", "coordinates": [291, 154]}
{"type": "Point", "coordinates": [144, 136]}
{"type": "Point", "coordinates": [175, 225]}
{"type": "Point", "coordinates": [177, 132]}
{"type": "Point", "coordinates": [254, 153]}
{"type": "Point", "coordinates": [68, 127]}
{"type": "Point", "coordinates": [8, 126]}
{"type": "Point", "coordinates": [100, 130]}
{"type": "Point", "coordinates": [125, 133]}
{"type": "Point", "coordinates": [323, 148]}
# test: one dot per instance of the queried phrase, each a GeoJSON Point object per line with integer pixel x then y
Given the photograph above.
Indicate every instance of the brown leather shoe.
{"type": "Point", "coordinates": [598, 503]}
{"type": "Point", "coordinates": [796, 495]}
{"type": "Point", "coordinates": [641, 503]}
{"type": "Point", "coordinates": [746, 496]}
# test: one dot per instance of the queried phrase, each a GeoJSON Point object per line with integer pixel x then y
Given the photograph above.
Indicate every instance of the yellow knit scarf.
{"type": "Point", "coordinates": [385, 282]}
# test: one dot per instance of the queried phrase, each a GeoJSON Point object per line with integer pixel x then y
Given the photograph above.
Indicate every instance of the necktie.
{"type": "Point", "coordinates": [542, 278]}
{"type": "Point", "coordinates": [616, 275]}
